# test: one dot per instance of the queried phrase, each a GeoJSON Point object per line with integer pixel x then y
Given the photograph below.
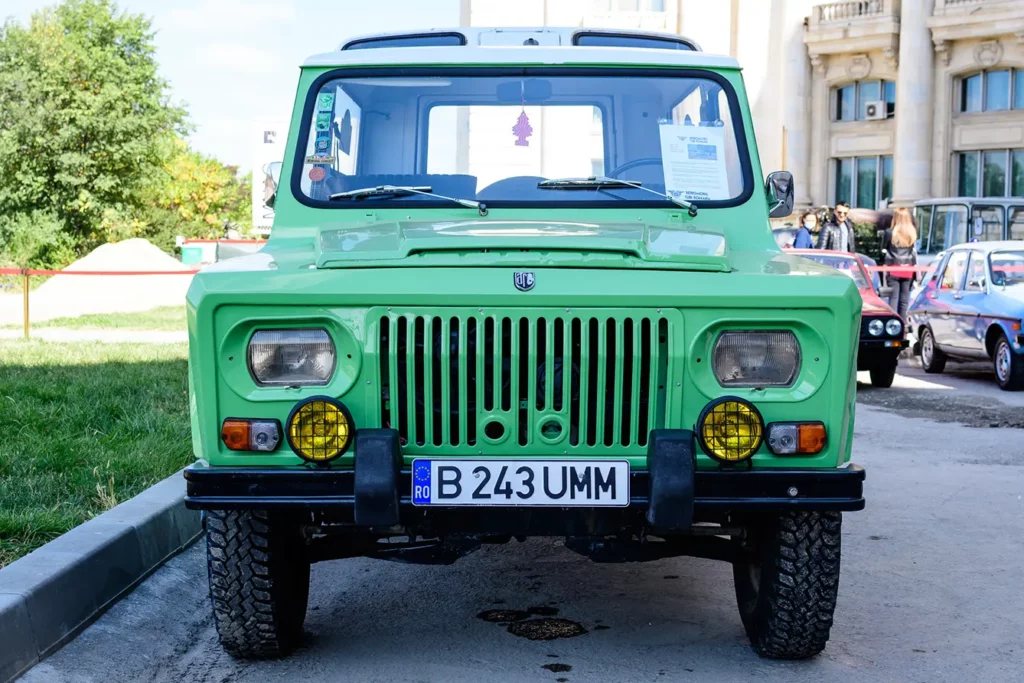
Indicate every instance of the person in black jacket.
{"type": "Point", "coordinates": [837, 234]}
{"type": "Point", "coordinates": [900, 251]}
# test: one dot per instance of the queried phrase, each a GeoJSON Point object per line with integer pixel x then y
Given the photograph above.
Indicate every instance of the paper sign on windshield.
{"type": "Point", "coordinates": [693, 159]}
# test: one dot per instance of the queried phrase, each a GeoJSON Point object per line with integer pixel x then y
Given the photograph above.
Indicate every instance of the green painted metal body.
{"type": "Point", "coordinates": [607, 264]}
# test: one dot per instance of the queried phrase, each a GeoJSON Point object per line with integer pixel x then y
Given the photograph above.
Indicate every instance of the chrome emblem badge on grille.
{"type": "Point", "coordinates": [524, 281]}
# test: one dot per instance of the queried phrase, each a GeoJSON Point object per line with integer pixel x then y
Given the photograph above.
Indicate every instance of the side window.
{"type": "Point", "coordinates": [987, 223]}
{"type": "Point", "coordinates": [950, 224]}
{"type": "Point", "coordinates": [953, 275]}
{"type": "Point", "coordinates": [976, 273]}
{"type": "Point", "coordinates": [1016, 227]}
{"type": "Point", "coordinates": [923, 214]}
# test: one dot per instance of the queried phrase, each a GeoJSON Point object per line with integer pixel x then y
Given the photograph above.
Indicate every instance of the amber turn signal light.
{"type": "Point", "coordinates": [235, 434]}
{"type": "Point", "coordinates": [251, 435]}
{"type": "Point", "coordinates": [796, 438]}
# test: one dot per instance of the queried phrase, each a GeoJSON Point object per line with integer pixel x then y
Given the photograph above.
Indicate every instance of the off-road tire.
{"type": "Point", "coordinates": [786, 588]}
{"type": "Point", "coordinates": [936, 363]}
{"type": "Point", "coordinates": [882, 375]}
{"type": "Point", "coordinates": [259, 582]}
{"type": "Point", "coordinates": [1012, 379]}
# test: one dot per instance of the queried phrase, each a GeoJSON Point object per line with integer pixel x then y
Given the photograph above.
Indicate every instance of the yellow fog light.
{"type": "Point", "coordinates": [730, 429]}
{"type": "Point", "coordinates": [320, 429]}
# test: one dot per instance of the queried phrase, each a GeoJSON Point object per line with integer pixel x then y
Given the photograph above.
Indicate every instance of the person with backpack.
{"type": "Point", "coordinates": [900, 251]}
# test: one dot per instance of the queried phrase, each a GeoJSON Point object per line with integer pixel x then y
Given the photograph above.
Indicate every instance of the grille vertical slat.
{"type": "Point", "coordinates": [634, 389]}
{"type": "Point", "coordinates": [447, 377]}
{"type": "Point", "coordinates": [463, 382]}
{"type": "Point", "coordinates": [620, 389]}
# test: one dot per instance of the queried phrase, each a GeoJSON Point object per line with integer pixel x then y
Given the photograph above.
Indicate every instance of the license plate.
{"type": "Point", "coordinates": [538, 483]}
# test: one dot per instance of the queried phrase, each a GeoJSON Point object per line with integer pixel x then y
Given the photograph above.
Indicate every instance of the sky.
{"type": "Point", "coordinates": [234, 64]}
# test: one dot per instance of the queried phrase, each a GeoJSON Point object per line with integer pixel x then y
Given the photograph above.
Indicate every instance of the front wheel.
{"type": "Point", "coordinates": [787, 586]}
{"type": "Point", "coordinates": [883, 375]}
{"type": "Point", "coordinates": [933, 360]}
{"type": "Point", "coordinates": [259, 582]}
{"type": "Point", "coordinates": [1009, 366]}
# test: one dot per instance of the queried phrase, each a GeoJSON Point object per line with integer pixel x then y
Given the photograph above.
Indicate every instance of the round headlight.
{"type": "Point", "coordinates": [730, 429]}
{"type": "Point", "coordinates": [320, 429]}
{"type": "Point", "coordinates": [894, 327]}
{"type": "Point", "coordinates": [876, 327]}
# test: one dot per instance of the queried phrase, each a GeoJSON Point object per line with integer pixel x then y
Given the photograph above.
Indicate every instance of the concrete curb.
{"type": "Point", "coordinates": [51, 594]}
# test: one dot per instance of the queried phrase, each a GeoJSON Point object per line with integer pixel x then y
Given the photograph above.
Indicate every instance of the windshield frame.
{"type": "Point", "coordinates": [736, 114]}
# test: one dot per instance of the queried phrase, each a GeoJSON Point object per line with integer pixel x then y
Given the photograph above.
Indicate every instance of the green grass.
{"type": "Point", "coordinates": [166, 318]}
{"type": "Point", "coordinates": [82, 428]}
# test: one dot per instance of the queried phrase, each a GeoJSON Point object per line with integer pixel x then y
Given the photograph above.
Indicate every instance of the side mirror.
{"type": "Point", "coordinates": [272, 175]}
{"type": "Point", "coordinates": [779, 188]}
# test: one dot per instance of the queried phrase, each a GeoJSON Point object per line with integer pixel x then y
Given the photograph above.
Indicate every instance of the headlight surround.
{"type": "Point", "coordinates": [730, 429]}
{"type": "Point", "coordinates": [756, 358]}
{"type": "Point", "coordinates": [876, 327]}
{"type": "Point", "coordinates": [894, 327]}
{"type": "Point", "coordinates": [293, 357]}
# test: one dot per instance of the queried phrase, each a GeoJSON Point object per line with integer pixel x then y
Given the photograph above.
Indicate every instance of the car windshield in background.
{"type": "Point", "coordinates": [496, 138]}
{"type": "Point", "coordinates": [1007, 267]}
{"type": "Point", "coordinates": [847, 266]}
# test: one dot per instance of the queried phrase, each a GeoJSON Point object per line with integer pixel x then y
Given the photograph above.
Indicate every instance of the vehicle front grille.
{"type": "Point", "coordinates": [469, 381]}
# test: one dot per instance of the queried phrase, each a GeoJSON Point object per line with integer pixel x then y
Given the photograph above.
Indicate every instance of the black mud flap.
{"type": "Point", "coordinates": [378, 461]}
{"type": "Point", "coordinates": [672, 463]}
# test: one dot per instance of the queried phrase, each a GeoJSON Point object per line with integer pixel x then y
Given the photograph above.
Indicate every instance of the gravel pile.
{"type": "Point", "coordinates": [68, 296]}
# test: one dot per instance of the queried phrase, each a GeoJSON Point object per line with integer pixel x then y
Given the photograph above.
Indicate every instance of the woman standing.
{"type": "Point", "coordinates": [808, 224]}
{"type": "Point", "coordinates": [900, 251]}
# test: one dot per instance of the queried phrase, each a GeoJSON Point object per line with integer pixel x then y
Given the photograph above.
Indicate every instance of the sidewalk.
{"type": "Point", "coordinates": [57, 334]}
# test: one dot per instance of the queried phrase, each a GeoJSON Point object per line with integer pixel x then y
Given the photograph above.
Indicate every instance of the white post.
{"type": "Point", "coordinates": [796, 96]}
{"type": "Point", "coordinates": [914, 99]}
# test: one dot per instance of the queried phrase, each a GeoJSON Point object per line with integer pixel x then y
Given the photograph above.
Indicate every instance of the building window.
{"type": "Point", "coordinates": [996, 90]}
{"type": "Point", "coordinates": [863, 182]}
{"type": "Point", "coordinates": [991, 173]}
{"type": "Point", "coordinates": [851, 101]}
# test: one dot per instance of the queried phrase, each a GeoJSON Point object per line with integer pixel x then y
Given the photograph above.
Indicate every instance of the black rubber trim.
{"type": "Point", "coordinates": [317, 488]}
{"type": "Point", "coordinates": [298, 160]}
{"type": "Point", "coordinates": [387, 41]}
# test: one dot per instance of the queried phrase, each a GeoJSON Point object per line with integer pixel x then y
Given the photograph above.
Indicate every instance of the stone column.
{"type": "Point", "coordinates": [796, 98]}
{"type": "Point", "coordinates": [819, 133]}
{"type": "Point", "coordinates": [914, 97]}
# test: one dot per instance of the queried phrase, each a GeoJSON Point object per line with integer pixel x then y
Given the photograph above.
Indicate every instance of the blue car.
{"type": "Point", "coordinates": [972, 308]}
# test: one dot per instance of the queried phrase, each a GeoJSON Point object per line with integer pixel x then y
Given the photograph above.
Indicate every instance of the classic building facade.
{"type": "Point", "coordinates": [865, 101]}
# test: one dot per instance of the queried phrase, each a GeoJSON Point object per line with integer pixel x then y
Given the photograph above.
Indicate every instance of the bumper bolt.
{"type": "Point", "coordinates": [792, 491]}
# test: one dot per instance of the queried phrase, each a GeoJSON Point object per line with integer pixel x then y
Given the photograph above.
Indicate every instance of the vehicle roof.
{"type": "Point", "coordinates": [989, 246]}
{"type": "Point", "coordinates": [564, 53]}
{"type": "Point", "coordinates": [997, 201]}
{"type": "Point", "coordinates": [542, 56]}
{"type": "Point", "coordinates": [474, 35]}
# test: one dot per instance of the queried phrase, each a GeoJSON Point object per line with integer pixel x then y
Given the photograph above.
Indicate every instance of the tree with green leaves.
{"type": "Point", "coordinates": [86, 124]}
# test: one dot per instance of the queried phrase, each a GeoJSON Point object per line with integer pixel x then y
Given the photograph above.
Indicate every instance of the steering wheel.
{"type": "Point", "coordinates": [645, 161]}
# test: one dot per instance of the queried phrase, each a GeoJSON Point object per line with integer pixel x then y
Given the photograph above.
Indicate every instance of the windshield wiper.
{"type": "Point", "coordinates": [405, 191]}
{"type": "Point", "coordinates": [601, 182]}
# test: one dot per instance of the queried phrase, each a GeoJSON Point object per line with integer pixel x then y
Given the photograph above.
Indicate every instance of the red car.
{"type": "Point", "coordinates": [882, 333]}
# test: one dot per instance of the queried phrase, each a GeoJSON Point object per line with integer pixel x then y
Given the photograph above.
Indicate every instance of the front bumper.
{"type": "Point", "coordinates": [873, 351]}
{"type": "Point", "coordinates": [669, 495]}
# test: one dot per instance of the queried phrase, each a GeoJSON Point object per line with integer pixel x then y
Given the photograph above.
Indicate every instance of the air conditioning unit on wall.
{"type": "Point", "coordinates": [875, 110]}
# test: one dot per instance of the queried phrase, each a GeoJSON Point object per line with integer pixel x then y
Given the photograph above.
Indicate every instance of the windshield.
{"type": "Point", "coordinates": [1007, 267]}
{"type": "Point", "coordinates": [847, 266]}
{"type": "Point", "coordinates": [494, 138]}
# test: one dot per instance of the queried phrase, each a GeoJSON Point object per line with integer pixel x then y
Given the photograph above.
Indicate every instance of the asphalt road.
{"type": "Point", "coordinates": [931, 588]}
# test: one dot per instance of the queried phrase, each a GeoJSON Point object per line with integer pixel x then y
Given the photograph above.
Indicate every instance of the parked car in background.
{"type": "Point", "coordinates": [972, 307]}
{"type": "Point", "coordinates": [881, 331]}
{"type": "Point", "coordinates": [947, 221]}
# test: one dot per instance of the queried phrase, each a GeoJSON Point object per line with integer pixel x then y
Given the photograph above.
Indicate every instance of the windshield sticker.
{"type": "Point", "coordinates": [694, 162]}
{"type": "Point", "coordinates": [323, 121]}
{"type": "Point", "coordinates": [325, 102]}
{"type": "Point", "coordinates": [322, 148]}
{"type": "Point", "coordinates": [320, 160]}
{"type": "Point", "coordinates": [317, 173]}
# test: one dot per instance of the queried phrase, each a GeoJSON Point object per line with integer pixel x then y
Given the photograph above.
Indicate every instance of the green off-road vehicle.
{"type": "Point", "coordinates": [522, 283]}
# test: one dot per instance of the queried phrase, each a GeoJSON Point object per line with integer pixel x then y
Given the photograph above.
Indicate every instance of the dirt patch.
{"type": "Point", "coordinates": [945, 406]}
{"type": "Point", "coordinates": [503, 616]}
{"type": "Point", "coordinates": [546, 629]}
{"type": "Point", "coordinates": [557, 668]}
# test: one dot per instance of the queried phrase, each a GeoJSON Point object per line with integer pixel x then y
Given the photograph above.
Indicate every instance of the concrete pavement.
{"type": "Point", "coordinates": [930, 591]}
